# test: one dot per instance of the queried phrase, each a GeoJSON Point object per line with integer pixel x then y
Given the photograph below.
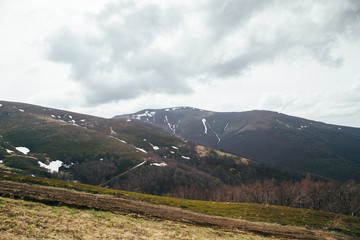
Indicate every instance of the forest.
{"type": "Point", "coordinates": [331, 196]}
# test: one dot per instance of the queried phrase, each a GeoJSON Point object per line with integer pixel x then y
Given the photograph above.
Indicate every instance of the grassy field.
{"type": "Point", "coordinates": [254, 212]}
{"type": "Point", "coordinates": [21, 219]}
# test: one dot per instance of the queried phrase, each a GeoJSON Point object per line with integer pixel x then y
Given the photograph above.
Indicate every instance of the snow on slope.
{"type": "Point", "coordinates": [24, 150]}
{"type": "Point", "coordinates": [53, 166]}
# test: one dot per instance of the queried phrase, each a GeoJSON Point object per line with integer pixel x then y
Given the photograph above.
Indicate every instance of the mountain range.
{"type": "Point", "coordinates": [157, 151]}
{"type": "Point", "coordinates": [299, 144]}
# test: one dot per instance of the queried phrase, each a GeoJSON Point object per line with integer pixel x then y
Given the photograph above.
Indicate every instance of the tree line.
{"type": "Point", "coordinates": [329, 196]}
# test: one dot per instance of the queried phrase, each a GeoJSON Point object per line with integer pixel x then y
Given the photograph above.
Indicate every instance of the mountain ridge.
{"type": "Point", "coordinates": [117, 153]}
{"type": "Point", "coordinates": [287, 141]}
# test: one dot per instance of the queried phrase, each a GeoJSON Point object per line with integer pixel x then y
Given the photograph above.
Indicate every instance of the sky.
{"type": "Point", "coordinates": [110, 57]}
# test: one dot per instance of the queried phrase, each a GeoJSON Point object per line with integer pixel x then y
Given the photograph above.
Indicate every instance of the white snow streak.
{"type": "Point", "coordinates": [204, 123]}
{"type": "Point", "coordinates": [140, 149]}
{"type": "Point", "coordinates": [174, 147]}
{"type": "Point", "coordinates": [185, 157]}
{"type": "Point", "coordinates": [118, 139]}
{"type": "Point", "coordinates": [156, 148]}
{"type": "Point", "coordinates": [167, 121]}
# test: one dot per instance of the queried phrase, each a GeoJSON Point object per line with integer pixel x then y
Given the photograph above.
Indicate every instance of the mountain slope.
{"type": "Point", "coordinates": [296, 143]}
{"type": "Point", "coordinates": [117, 153]}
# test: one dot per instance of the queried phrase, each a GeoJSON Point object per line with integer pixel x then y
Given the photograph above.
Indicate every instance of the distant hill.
{"type": "Point", "coordinates": [299, 144]}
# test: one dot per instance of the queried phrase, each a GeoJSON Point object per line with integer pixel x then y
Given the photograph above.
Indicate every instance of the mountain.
{"type": "Point", "coordinates": [117, 153]}
{"type": "Point", "coordinates": [299, 144]}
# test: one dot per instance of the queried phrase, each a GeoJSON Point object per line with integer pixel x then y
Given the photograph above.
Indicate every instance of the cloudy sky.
{"type": "Point", "coordinates": [111, 57]}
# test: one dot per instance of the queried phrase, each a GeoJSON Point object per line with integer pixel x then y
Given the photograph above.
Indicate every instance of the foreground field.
{"type": "Point", "coordinates": [28, 220]}
{"type": "Point", "coordinates": [56, 196]}
{"type": "Point", "coordinates": [314, 220]}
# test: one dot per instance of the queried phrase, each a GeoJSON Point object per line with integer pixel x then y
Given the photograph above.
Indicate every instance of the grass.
{"type": "Point", "coordinates": [247, 211]}
{"type": "Point", "coordinates": [29, 220]}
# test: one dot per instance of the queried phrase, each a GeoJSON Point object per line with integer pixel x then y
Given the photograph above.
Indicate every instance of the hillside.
{"type": "Point", "coordinates": [299, 144]}
{"type": "Point", "coordinates": [117, 153]}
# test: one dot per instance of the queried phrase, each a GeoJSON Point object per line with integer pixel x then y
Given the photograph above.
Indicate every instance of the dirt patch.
{"type": "Point", "coordinates": [57, 196]}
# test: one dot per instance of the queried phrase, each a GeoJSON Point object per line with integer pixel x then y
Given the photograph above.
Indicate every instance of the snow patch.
{"type": "Point", "coordinates": [68, 166]}
{"type": "Point", "coordinates": [339, 128]}
{"type": "Point", "coordinates": [174, 147]}
{"type": "Point", "coordinates": [128, 120]}
{"type": "Point", "coordinates": [1, 161]}
{"type": "Point", "coordinates": [156, 148]}
{"type": "Point", "coordinates": [53, 116]}
{"type": "Point", "coordinates": [0, 105]}
{"type": "Point", "coordinates": [145, 114]}
{"type": "Point", "coordinates": [9, 151]}
{"type": "Point", "coordinates": [24, 150]}
{"type": "Point", "coordinates": [185, 157]}
{"type": "Point", "coordinates": [21, 110]}
{"type": "Point", "coordinates": [226, 126]}
{"type": "Point", "coordinates": [82, 120]}
{"type": "Point", "coordinates": [53, 166]}
{"type": "Point", "coordinates": [172, 152]}
{"type": "Point", "coordinates": [158, 164]}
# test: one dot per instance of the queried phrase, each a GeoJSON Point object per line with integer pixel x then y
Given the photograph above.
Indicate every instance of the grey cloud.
{"type": "Point", "coordinates": [224, 15]}
{"type": "Point", "coordinates": [122, 61]}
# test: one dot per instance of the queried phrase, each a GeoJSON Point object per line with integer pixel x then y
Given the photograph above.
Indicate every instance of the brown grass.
{"type": "Point", "coordinates": [28, 220]}
{"type": "Point", "coordinates": [203, 151]}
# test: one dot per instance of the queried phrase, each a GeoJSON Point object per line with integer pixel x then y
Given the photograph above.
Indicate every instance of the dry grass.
{"type": "Point", "coordinates": [203, 151]}
{"type": "Point", "coordinates": [28, 220]}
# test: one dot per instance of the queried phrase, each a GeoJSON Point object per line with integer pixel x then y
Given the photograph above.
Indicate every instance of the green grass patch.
{"type": "Point", "coordinates": [247, 211]}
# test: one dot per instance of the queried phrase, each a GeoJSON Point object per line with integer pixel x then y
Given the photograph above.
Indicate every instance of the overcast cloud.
{"type": "Point", "coordinates": [297, 57]}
